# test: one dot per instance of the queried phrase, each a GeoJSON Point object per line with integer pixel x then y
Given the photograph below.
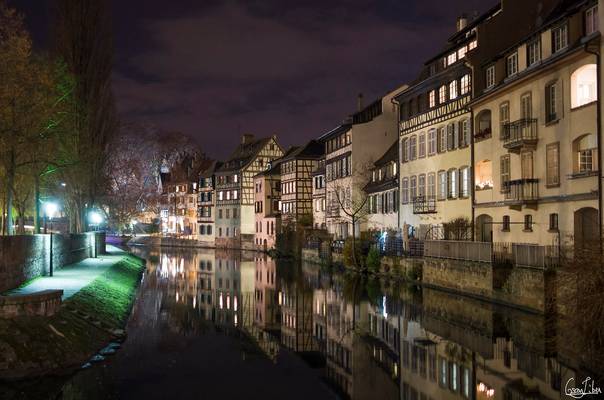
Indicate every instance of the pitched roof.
{"type": "Point", "coordinates": [311, 150]}
{"type": "Point", "coordinates": [390, 155]}
{"type": "Point", "coordinates": [243, 154]}
{"type": "Point", "coordinates": [274, 167]}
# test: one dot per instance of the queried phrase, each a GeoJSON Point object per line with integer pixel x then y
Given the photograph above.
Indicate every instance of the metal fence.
{"type": "Point", "coordinates": [459, 250]}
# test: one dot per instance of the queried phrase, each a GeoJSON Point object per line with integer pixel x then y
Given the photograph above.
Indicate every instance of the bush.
{"type": "Point", "coordinates": [349, 260]}
{"type": "Point", "coordinates": [373, 260]}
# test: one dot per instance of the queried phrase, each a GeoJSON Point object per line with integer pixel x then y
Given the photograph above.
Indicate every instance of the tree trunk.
{"type": "Point", "coordinates": [354, 245]}
{"type": "Point", "coordinates": [37, 204]}
{"type": "Point", "coordinates": [10, 181]}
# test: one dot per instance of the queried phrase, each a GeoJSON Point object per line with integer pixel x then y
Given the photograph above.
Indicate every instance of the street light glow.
{"type": "Point", "coordinates": [50, 209]}
{"type": "Point", "coordinates": [95, 217]}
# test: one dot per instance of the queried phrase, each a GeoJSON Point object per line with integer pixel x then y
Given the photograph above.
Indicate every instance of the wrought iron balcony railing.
{"type": "Point", "coordinates": [424, 204]}
{"type": "Point", "coordinates": [520, 134]}
{"type": "Point", "coordinates": [521, 191]}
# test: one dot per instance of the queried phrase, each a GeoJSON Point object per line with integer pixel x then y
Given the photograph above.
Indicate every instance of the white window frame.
{"type": "Point", "coordinates": [490, 76]}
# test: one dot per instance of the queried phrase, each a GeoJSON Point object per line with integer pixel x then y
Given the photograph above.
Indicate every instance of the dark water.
{"type": "Point", "coordinates": [210, 324]}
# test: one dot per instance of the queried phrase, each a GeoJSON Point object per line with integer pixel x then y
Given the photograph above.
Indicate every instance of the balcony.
{"type": "Point", "coordinates": [424, 205]}
{"type": "Point", "coordinates": [521, 192]}
{"type": "Point", "coordinates": [520, 135]}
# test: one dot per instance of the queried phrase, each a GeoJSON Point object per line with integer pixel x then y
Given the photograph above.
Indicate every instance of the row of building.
{"type": "Point", "coordinates": [501, 129]}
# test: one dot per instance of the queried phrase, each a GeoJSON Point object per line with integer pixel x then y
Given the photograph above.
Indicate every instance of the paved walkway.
{"type": "Point", "coordinates": [74, 277]}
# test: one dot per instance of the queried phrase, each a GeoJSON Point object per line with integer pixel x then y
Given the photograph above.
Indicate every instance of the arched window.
{"type": "Point", "coordinates": [584, 154]}
{"type": "Point", "coordinates": [483, 125]}
{"type": "Point", "coordinates": [583, 85]}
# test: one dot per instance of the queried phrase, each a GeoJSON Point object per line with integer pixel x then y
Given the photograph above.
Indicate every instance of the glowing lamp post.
{"type": "Point", "coordinates": [95, 218]}
{"type": "Point", "coordinates": [50, 210]}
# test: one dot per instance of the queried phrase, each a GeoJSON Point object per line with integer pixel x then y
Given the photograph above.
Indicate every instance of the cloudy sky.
{"type": "Point", "coordinates": [216, 69]}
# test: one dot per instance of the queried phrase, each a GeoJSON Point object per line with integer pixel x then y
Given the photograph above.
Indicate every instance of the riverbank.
{"type": "Point", "coordinates": [84, 324]}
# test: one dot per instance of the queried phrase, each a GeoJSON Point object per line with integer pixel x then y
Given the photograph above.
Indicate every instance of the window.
{"type": "Point", "coordinates": [528, 223]}
{"type": "Point", "coordinates": [560, 38]}
{"type": "Point", "coordinates": [442, 140]}
{"type": "Point", "coordinates": [505, 225]}
{"type": "Point", "coordinates": [583, 85]}
{"type": "Point", "coordinates": [405, 191]}
{"type": "Point", "coordinates": [442, 94]}
{"type": "Point", "coordinates": [451, 58]}
{"type": "Point", "coordinates": [453, 90]}
{"type": "Point", "coordinates": [586, 160]}
{"type": "Point", "coordinates": [483, 175]}
{"type": "Point", "coordinates": [413, 187]}
{"type": "Point", "coordinates": [551, 100]}
{"type": "Point", "coordinates": [461, 53]}
{"type": "Point", "coordinates": [452, 188]}
{"type": "Point", "coordinates": [431, 192]}
{"type": "Point", "coordinates": [432, 98]}
{"type": "Point", "coordinates": [504, 119]}
{"type": "Point", "coordinates": [526, 106]}
{"type": "Point", "coordinates": [552, 160]}
{"type": "Point", "coordinates": [464, 133]}
{"type": "Point", "coordinates": [413, 148]}
{"type": "Point", "coordinates": [422, 145]}
{"type": "Point", "coordinates": [490, 76]}
{"type": "Point", "coordinates": [464, 182]}
{"type": "Point", "coordinates": [533, 52]}
{"type": "Point", "coordinates": [473, 44]}
{"type": "Point", "coordinates": [553, 222]}
{"type": "Point", "coordinates": [465, 84]}
{"type": "Point", "coordinates": [431, 142]}
{"type": "Point", "coordinates": [504, 172]}
{"type": "Point", "coordinates": [442, 185]}
{"type": "Point", "coordinates": [512, 64]}
{"type": "Point", "coordinates": [451, 144]}
{"type": "Point", "coordinates": [591, 21]}
{"type": "Point", "coordinates": [421, 186]}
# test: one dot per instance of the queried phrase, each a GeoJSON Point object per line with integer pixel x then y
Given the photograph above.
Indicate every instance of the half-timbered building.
{"type": "Point", "coordinates": [296, 183]}
{"type": "Point", "coordinates": [206, 204]}
{"type": "Point", "coordinates": [318, 196]}
{"type": "Point", "coordinates": [235, 217]}
{"type": "Point", "coordinates": [267, 200]}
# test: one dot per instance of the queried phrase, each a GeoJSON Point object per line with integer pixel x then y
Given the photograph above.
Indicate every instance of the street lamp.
{"type": "Point", "coordinates": [95, 218]}
{"type": "Point", "coordinates": [50, 209]}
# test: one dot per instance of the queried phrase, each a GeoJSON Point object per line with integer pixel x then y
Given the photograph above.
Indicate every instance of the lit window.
{"type": "Point", "coordinates": [453, 90]}
{"type": "Point", "coordinates": [484, 175]}
{"type": "Point", "coordinates": [560, 38]}
{"type": "Point", "coordinates": [490, 76]}
{"type": "Point", "coordinates": [452, 189]}
{"type": "Point", "coordinates": [512, 64]}
{"type": "Point", "coordinates": [461, 53]}
{"type": "Point", "coordinates": [465, 84]}
{"type": "Point", "coordinates": [442, 94]}
{"type": "Point", "coordinates": [432, 97]}
{"type": "Point", "coordinates": [473, 44]}
{"type": "Point", "coordinates": [464, 182]}
{"type": "Point", "coordinates": [583, 84]}
{"type": "Point", "coordinates": [592, 24]}
{"type": "Point", "coordinates": [451, 58]}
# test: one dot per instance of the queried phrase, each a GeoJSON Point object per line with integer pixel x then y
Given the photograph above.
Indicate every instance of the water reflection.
{"type": "Point", "coordinates": [301, 331]}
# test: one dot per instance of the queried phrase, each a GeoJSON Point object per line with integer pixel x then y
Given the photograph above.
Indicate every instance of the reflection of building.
{"type": "Point", "coordinates": [296, 183]}
{"type": "Point", "coordinates": [538, 99]}
{"type": "Point", "coordinates": [383, 192]}
{"type": "Point", "coordinates": [266, 315]}
{"type": "Point", "coordinates": [296, 302]}
{"type": "Point", "coordinates": [235, 217]}
{"type": "Point", "coordinates": [206, 203]}
{"type": "Point", "coordinates": [267, 195]}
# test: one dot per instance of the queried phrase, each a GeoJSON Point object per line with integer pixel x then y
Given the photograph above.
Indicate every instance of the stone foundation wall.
{"type": "Point", "coordinates": [44, 303]}
{"type": "Point", "coordinates": [26, 257]}
{"type": "Point", "coordinates": [469, 277]}
{"type": "Point", "coordinates": [525, 286]}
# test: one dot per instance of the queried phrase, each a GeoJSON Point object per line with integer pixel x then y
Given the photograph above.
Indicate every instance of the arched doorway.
{"type": "Point", "coordinates": [484, 228]}
{"type": "Point", "coordinates": [586, 230]}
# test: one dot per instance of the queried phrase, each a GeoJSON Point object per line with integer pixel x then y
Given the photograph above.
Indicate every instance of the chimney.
{"type": "Point", "coordinates": [360, 102]}
{"type": "Point", "coordinates": [462, 22]}
{"type": "Point", "coordinates": [247, 138]}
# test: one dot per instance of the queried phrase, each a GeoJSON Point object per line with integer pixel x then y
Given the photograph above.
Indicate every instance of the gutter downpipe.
{"type": "Point", "coordinates": [472, 181]}
{"type": "Point", "coordinates": [598, 139]}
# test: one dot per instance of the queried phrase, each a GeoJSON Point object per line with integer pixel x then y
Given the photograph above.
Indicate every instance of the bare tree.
{"type": "Point", "coordinates": [351, 200]}
{"type": "Point", "coordinates": [83, 39]}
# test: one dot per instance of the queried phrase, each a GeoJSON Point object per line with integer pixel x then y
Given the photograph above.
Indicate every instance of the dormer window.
{"type": "Point", "coordinates": [451, 58]}
{"type": "Point", "coordinates": [490, 76]}
{"type": "Point", "coordinates": [560, 38]}
{"type": "Point", "coordinates": [461, 53]}
{"type": "Point", "coordinates": [432, 98]}
{"type": "Point", "coordinates": [533, 52]}
{"type": "Point", "coordinates": [592, 24]}
{"type": "Point", "coordinates": [473, 44]}
{"type": "Point", "coordinates": [512, 64]}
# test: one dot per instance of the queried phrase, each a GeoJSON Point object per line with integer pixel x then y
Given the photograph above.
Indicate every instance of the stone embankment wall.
{"type": "Point", "coordinates": [44, 303]}
{"type": "Point", "coordinates": [26, 257]}
{"type": "Point", "coordinates": [245, 244]}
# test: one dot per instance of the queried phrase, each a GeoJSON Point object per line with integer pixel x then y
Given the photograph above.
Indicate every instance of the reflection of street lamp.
{"type": "Point", "coordinates": [133, 223]}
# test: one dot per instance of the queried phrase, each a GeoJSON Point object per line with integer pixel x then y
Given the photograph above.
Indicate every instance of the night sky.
{"type": "Point", "coordinates": [216, 69]}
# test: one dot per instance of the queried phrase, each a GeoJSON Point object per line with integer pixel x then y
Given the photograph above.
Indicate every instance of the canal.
{"type": "Point", "coordinates": [230, 325]}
